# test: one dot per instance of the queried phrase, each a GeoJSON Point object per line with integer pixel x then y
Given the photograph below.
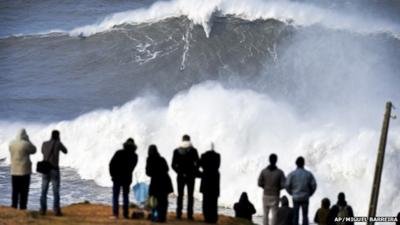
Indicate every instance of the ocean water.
{"type": "Point", "coordinates": [255, 77]}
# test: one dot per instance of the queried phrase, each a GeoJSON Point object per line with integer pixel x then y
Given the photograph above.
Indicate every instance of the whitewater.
{"type": "Point", "coordinates": [254, 77]}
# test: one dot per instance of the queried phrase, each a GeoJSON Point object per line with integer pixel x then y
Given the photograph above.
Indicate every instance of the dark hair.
{"type": "Point", "coordinates": [300, 162]}
{"type": "Point", "coordinates": [341, 197]}
{"type": "Point", "coordinates": [243, 197]}
{"type": "Point", "coordinates": [153, 151]}
{"type": "Point", "coordinates": [186, 137]}
{"type": "Point", "coordinates": [325, 203]}
{"type": "Point", "coordinates": [55, 135]}
{"type": "Point", "coordinates": [284, 201]}
{"type": "Point", "coordinates": [273, 158]}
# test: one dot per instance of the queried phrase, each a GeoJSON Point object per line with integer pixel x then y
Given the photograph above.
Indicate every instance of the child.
{"type": "Point", "coordinates": [321, 216]}
{"type": "Point", "coordinates": [285, 213]}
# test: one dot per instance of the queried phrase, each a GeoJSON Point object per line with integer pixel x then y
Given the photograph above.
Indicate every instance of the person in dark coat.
{"type": "Point", "coordinates": [244, 208]}
{"type": "Point", "coordinates": [121, 168]}
{"type": "Point", "coordinates": [160, 184]}
{"type": "Point", "coordinates": [209, 187]}
{"type": "Point", "coordinates": [341, 209]}
{"type": "Point", "coordinates": [185, 162]}
{"type": "Point", "coordinates": [321, 216]}
{"type": "Point", "coordinates": [284, 215]}
{"type": "Point", "coordinates": [398, 219]}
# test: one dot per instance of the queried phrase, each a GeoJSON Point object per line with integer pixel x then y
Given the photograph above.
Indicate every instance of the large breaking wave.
{"type": "Point", "coordinates": [286, 77]}
{"type": "Point", "coordinates": [246, 127]}
{"type": "Point", "coordinates": [201, 12]}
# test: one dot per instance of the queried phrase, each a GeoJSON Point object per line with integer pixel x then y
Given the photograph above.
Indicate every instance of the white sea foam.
{"type": "Point", "coordinates": [200, 12]}
{"type": "Point", "coordinates": [246, 126]}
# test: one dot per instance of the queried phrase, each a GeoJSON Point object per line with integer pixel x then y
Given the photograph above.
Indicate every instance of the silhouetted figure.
{"type": "Point", "coordinates": [271, 180]}
{"type": "Point", "coordinates": [210, 162]}
{"type": "Point", "coordinates": [321, 216]}
{"type": "Point", "coordinates": [185, 163]}
{"type": "Point", "coordinates": [244, 208]}
{"type": "Point", "coordinates": [341, 209]}
{"type": "Point", "coordinates": [121, 168]}
{"type": "Point", "coordinates": [51, 150]}
{"type": "Point", "coordinates": [160, 184]}
{"type": "Point", "coordinates": [301, 185]}
{"type": "Point", "coordinates": [285, 213]}
{"type": "Point", "coordinates": [398, 219]}
{"type": "Point", "coordinates": [21, 168]}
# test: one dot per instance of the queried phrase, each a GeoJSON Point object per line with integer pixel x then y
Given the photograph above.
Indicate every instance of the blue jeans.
{"type": "Point", "coordinates": [304, 209]}
{"type": "Point", "coordinates": [125, 196]}
{"type": "Point", "coordinates": [52, 177]}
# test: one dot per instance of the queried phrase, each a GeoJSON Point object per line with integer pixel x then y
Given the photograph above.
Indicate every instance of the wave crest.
{"type": "Point", "coordinates": [201, 13]}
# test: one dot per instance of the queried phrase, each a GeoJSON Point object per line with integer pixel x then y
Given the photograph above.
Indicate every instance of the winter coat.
{"type": "Point", "coordinates": [20, 149]}
{"type": "Point", "coordinates": [338, 210]}
{"type": "Point", "coordinates": [122, 165]}
{"type": "Point", "coordinates": [210, 177]}
{"type": "Point", "coordinates": [185, 161]}
{"type": "Point", "coordinates": [244, 209]}
{"type": "Point", "coordinates": [301, 184]}
{"type": "Point", "coordinates": [52, 156]}
{"type": "Point", "coordinates": [272, 180]}
{"type": "Point", "coordinates": [157, 169]}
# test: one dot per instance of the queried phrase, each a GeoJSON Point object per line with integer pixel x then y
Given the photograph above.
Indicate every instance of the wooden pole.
{"type": "Point", "coordinates": [379, 163]}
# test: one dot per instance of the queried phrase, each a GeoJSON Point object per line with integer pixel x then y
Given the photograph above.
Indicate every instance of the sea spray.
{"type": "Point", "coordinates": [246, 127]}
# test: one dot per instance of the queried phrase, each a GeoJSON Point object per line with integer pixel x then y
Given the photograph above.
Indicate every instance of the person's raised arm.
{"type": "Point", "coordinates": [32, 149]}
{"type": "Point", "coordinates": [62, 148]}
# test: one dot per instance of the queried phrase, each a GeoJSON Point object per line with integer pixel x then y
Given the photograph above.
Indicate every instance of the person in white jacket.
{"type": "Point", "coordinates": [21, 168]}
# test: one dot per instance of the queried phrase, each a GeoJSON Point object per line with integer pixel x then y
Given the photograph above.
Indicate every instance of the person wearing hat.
{"type": "Point", "coordinates": [121, 168]}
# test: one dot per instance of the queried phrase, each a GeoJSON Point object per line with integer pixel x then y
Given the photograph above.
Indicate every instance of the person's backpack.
{"type": "Point", "coordinates": [342, 213]}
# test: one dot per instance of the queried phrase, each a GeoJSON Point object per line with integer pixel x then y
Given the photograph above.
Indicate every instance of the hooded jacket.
{"type": "Point", "coordinates": [185, 161]}
{"type": "Point", "coordinates": [244, 208]}
{"type": "Point", "coordinates": [20, 149]}
{"type": "Point", "coordinates": [123, 163]}
{"type": "Point", "coordinates": [301, 184]}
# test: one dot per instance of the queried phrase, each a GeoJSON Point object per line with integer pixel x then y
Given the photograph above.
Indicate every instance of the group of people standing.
{"type": "Point", "coordinates": [188, 166]}
{"type": "Point", "coordinates": [21, 168]}
{"type": "Point", "coordinates": [301, 185]}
